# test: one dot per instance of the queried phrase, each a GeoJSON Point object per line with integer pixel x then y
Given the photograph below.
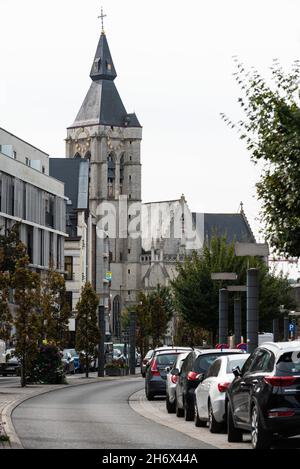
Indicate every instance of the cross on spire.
{"type": "Point", "coordinates": [102, 16]}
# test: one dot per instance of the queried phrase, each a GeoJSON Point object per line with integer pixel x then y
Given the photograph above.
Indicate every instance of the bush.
{"type": "Point", "coordinates": [48, 367]}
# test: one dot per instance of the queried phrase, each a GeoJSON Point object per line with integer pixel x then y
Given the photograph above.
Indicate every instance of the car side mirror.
{"type": "Point", "coordinates": [175, 372]}
{"type": "Point", "coordinates": [237, 372]}
{"type": "Point", "coordinates": [201, 377]}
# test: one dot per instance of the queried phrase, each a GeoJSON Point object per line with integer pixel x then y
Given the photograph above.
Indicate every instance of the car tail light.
{"type": "Point", "coordinates": [174, 379]}
{"type": "Point", "coordinates": [281, 413]}
{"type": "Point", "coordinates": [145, 361]}
{"type": "Point", "coordinates": [223, 387]}
{"type": "Point", "coordinates": [154, 369]}
{"type": "Point", "coordinates": [281, 381]}
{"type": "Point", "coordinates": [192, 376]}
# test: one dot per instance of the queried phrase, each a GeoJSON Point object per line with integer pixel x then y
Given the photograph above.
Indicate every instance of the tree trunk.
{"type": "Point", "coordinates": [86, 366]}
{"type": "Point", "coordinates": [23, 372]}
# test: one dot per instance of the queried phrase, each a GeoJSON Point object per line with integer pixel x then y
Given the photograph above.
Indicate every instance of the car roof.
{"type": "Point", "coordinates": [224, 351]}
{"type": "Point", "coordinates": [172, 347]}
{"type": "Point", "coordinates": [174, 350]}
{"type": "Point", "coordinates": [279, 347]}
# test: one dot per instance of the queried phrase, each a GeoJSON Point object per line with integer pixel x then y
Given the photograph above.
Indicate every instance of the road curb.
{"type": "Point", "coordinates": [6, 413]}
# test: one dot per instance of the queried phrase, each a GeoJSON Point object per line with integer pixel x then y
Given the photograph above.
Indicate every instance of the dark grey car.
{"type": "Point", "coordinates": [156, 373]}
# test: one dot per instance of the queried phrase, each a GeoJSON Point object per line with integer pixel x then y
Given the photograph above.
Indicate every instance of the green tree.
{"type": "Point", "coordinates": [55, 311]}
{"type": "Point", "coordinates": [87, 331]}
{"type": "Point", "coordinates": [27, 321]}
{"type": "Point", "coordinates": [197, 296]}
{"type": "Point", "coordinates": [143, 323]}
{"type": "Point", "coordinates": [161, 309]}
{"type": "Point", "coordinates": [6, 319]}
{"type": "Point", "coordinates": [271, 130]}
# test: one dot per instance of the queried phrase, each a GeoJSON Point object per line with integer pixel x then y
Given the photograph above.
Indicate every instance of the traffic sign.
{"type": "Point", "coordinates": [292, 327]}
{"type": "Point", "coordinates": [108, 276]}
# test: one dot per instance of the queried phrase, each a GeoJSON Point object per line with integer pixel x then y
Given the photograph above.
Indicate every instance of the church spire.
{"type": "Point", "coordinates": [103, 67]}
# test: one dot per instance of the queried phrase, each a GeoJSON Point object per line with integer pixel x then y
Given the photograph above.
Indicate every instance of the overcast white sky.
{"type": "Point", "coordinates": [174, 65]}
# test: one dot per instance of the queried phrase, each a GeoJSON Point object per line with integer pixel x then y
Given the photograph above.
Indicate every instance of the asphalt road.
{"type": "Point", "coordinates": [94, 416]}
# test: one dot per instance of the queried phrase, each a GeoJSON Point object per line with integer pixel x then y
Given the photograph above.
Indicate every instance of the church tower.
{"type": "Point", "coordinates": [110, 138]}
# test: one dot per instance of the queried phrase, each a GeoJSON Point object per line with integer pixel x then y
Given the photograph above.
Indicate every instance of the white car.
{"type": "Point", "coordinates": [171, 384]}
{"type": "Point", "coordinates": [210, 395]}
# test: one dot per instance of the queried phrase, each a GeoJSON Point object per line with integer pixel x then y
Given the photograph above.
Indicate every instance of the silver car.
{"type": "Point", "coordinates": [171, 384]}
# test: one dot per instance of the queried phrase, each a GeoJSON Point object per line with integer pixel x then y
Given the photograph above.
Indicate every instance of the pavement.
{"type": "Point", "coordinates": [12, 395]}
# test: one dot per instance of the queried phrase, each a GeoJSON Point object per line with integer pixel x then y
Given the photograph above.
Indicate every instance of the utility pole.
{"type": "Point", "coordinates": [252, 309]}
{"type": "Point", "coordinates": [223, 316]}
{"type": "Point", "coordinates": [132, 343]}
{"type": "Point", "coordinates": [237, 320]}
{"type": "Point", "coordinates": [101, 351]}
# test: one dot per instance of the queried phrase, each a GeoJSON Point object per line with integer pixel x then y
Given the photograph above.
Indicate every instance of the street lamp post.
{"type": "Point", "coordinates": [132, 342]}
{"type": "Point", "coordinates": [101, 351]}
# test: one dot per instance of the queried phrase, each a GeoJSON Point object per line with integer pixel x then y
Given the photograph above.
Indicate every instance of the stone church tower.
{"type": "Point", "coordinates": [110, 138]}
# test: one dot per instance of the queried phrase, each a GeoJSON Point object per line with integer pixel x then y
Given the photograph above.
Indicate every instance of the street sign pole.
{"type": "Point", "coordinates": [286, 329]}
{"type": "Point", "coordinates": [252, 309]}
{"type": "Point", "coordinates": [275, 330]}
{"type": "Point", "coordinates": [101, 351]}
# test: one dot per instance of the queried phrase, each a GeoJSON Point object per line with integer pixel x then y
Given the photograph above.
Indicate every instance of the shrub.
{"type": "Point", "coordinates": [48, 367]}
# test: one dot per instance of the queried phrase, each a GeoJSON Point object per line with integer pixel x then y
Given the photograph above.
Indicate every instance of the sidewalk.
{"type": "Point", "coordinates": [11, 395]}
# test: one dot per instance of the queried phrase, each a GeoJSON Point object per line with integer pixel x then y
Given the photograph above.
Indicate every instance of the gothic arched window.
{"type": "Point", "coordinates": [77, 155]}
{"type": "Point", "coordinates": [111, 175]}
{"type": "Point", "coordinates": [88, 156]}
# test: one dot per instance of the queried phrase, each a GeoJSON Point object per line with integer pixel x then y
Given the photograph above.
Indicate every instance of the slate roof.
{"type": "Point", "coordinates": [74, 173]}
{"type": "Point", "coordinates": [232, 225]}
{"type": "Point", "coordinates": [103, 104]}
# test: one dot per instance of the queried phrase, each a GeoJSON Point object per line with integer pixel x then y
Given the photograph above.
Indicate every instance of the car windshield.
{"type": "Point", "coordinates": [288, 363]}
{"type": "Point", "coordinates": [166, 359]}
{"type": "Point", "coordinates": [236, 361]}
{"type": "Point", "coordinates": [149, 354]}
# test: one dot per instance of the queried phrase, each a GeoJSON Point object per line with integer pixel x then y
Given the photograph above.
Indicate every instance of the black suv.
{"type": "Point", "coordinates": [192, 371]}
{"type": "Point", "coordinates": [264, 397]}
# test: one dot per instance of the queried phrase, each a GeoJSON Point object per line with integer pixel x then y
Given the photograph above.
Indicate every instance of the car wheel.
{"type": "Point", "coordinates": [198, 421]}
{"type": "Point", "coordinates": [171, 407]}
{"type": "Point", "coordinates": [179, 411]}
{"type": "Point", "coordinates": [189, 413]}
{"type": "Point", "coordinates": [260, 439]}
{"type": "Point", "coordinates": [234, 435]}
{"type": "Point", "coordinates": [213, 425]}
{"type": "Point", "coordinates": [149, 395]}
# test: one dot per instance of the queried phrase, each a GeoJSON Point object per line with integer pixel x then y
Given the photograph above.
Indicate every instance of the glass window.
{"type": "Point", "coordinates": [263, 361]}
{"type": "Point", "coordinates": [288, 363]}
{"type": "Point", "coordinates": [214, 369]}
{"type": "Point", "coordinates": [166, 359]}
{"type": "Point", "coordinates": [69, 267]}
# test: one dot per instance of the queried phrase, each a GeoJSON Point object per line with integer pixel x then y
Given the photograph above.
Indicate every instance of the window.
{"type": "Point", "coordinates": [97, 64]}
{"type": "Point", "coordinates": [128, 271]}
{"type": "Point", "coordinates": [68, 268]}
{"type": "Point", "coordinates": [263, 362]}
{"type": "Point", "coordinates": [130, 158]}
{"type": "Point", "coordinates": [42, 259]}
{"type": "Point", "coordinates": [129, 251]}
{"type": "Point", "coordinates": [121, 257]}
{"type": "Point", "coordinates": [27, 161]}
{"type": "Point", "coordinates": [43, 169]}
{"type": "Point", "coordinates": [15, 155]}
{"type": "Point", "coordinates": [214, 369]}
{"type": "Point", "coordinates": [29, 243]}
{"type": "Point", "coordinates": [129, 292]}
{"type": "Point", "coordinates": [69, 299]}
{"type": "Point", "coordinates": [129, 178]}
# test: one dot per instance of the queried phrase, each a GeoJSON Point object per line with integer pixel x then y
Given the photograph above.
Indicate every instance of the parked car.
{"type": "Point", "coordinates": [264, 397]}
{"type": "Point", "coordinates": [156, 373]}
{"type": "Point", "coordinates": [171, 383]}
{"type": "Point", "coordinates": [210, 395]}
{"type": "Point", "coordinates": [195, 364]}
{"type": "Point", "coordinates": [70, 360]}
{"type": "Point", "coordinates": [11, 365]}
{"type": "Point", "coordinates": [145, 362]}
